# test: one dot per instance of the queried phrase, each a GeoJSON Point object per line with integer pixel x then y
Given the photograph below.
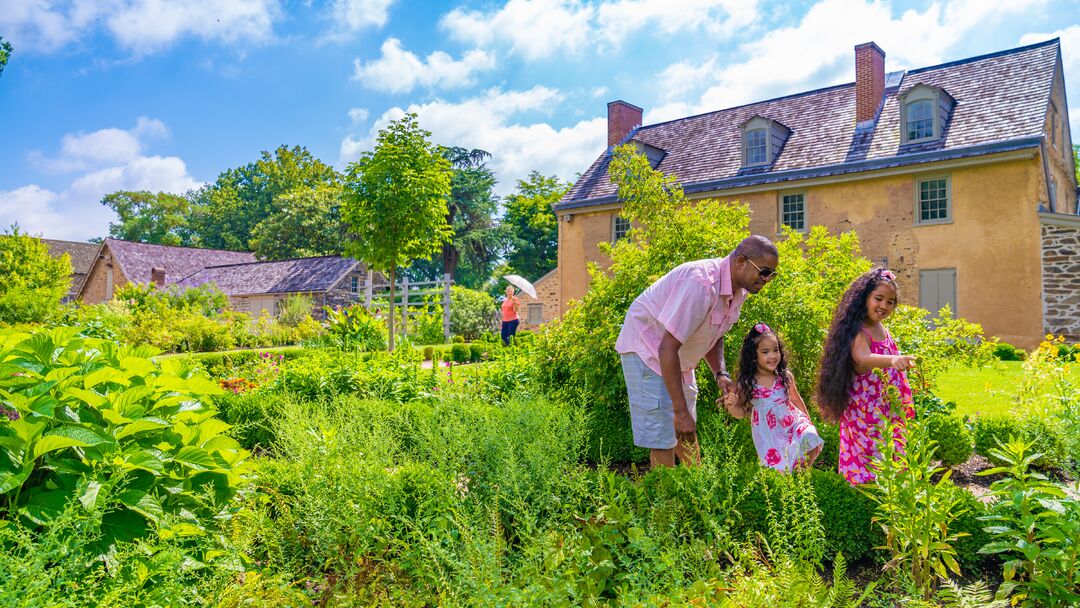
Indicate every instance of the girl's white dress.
{"type": "Point", "coordinates": [783, 435]}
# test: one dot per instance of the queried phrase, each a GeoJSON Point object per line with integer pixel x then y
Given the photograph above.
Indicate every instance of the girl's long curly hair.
{"type": "Point", "coordinates": [837, 367]}
{"type": "Point", "coordinates": [748, 363]}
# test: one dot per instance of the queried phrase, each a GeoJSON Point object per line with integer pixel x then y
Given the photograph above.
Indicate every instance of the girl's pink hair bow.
{"type": "Point", "coordinates": [887, 274]}
{"type": "Point", "coordinates": [761, 328]}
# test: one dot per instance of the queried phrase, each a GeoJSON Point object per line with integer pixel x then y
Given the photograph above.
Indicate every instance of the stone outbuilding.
{"type": "Point", "coordinates": [82, 257]}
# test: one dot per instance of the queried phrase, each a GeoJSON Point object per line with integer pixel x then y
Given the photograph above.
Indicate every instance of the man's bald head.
{"type": "Point", "coordinates": [753, 263]}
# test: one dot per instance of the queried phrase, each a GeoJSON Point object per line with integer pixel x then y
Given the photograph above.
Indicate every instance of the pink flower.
{"type": "Point", "coordinates": [772, 457]}
{"type": "Point", "coordinates": [754, 419]}
{"type": "Point", "coordinates": [770, 419]}
{"type": "Point", "coordinates": [787, 421]}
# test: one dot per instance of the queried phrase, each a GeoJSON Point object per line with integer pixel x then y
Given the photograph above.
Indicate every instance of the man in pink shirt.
{"type": "Point", "coordinates": [675, 323]}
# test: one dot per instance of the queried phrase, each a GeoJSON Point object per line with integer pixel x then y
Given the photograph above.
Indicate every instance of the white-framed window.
{"type": "Point", "coordinates": [936, 289]}
{"type": "Point", "coordinates": [793, 210]}
{"type": "Point", "coordinates": [354, 284]}
{"type": "Point", "coordinates": [620, 226]}
{"type": "Point", "coordinates": [536, 314]}
{"type": "Point", "coordinates": [756, 147]}
{"type": "Point", "coordinates": [932, 200]}
{"type": "Point", "coordinates": [920, 120]}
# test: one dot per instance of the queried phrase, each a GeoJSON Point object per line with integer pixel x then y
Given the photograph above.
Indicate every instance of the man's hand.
{"type": "Point", "coordinates": [685, 427]}
{"type": "Point", "coordinates": [727, 386]}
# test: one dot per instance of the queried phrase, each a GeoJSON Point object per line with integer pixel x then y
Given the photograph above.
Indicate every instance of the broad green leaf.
{"type": "Point", "coordinates": [210, 428]}
{"type": "Point", "coordinates": [51, 443]}
{"type": "Point", "coordinates": [124, 401]}
{"type": "Point", "coordinates": [90, 398]}
{"type": "Point", "coordinates": [146, 461]}
{"type": "Point", "coordinates": [9, 480]}
{"type": "Point", "coordinates": [89, 496]}
{"type": "Point", "coordinates": [39, 389]}
{"type": "Point", "coordinates": [142, 503]}
{"type": "Point", "coordinates": [122, 525]}
{"type": "Point", "coordinates": [46, 506]}
{"type": "Point", "coordinates": [105, 374]}
{"type": "Point", "coordinates": [60, 374]}
{"type": "Point", "coordinates": [44, 405]}
{"type": "Point", "coordinates": [139, 426]}
{"type": "Point", "coordinates": [196, 458]}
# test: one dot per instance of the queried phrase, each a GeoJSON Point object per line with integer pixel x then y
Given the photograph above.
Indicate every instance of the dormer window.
{"type": "Point", "coordinates": [924, 111]}
{"type": "Point", "coordinates": [654, 154]}
{"type": "Point", "coordinates": [762, 140]}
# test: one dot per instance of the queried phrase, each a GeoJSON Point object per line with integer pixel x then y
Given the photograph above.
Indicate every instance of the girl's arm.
{"type": "Point", "coordinates": [793, 394]}
{"type": "Point", "coordinates": [866, 360]}
{"type": "Point", "coordinates": [735, 405]}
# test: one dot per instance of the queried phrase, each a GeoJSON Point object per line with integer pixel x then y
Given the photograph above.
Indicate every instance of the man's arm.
{"type": "Point", "coordinates": [671, 373]}
{"type": "Point", "coordinates": [715, 359]}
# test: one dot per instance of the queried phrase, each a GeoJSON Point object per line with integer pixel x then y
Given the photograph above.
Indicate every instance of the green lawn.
{"type": "Point", "coordinates": [986, 390]}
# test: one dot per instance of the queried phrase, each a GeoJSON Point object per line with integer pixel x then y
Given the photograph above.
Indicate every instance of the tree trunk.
{"type": "Point", "coordinates": [391, 316]}
{"type": "Point", "coordinates": [450, 258]}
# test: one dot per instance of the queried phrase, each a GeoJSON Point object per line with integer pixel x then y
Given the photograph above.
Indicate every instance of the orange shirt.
{"type": "Point", "coordinates": [508, 312]}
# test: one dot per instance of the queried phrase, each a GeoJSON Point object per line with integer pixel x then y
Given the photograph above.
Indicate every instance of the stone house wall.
{"type": "Point", "coordinates": [1061, 275]}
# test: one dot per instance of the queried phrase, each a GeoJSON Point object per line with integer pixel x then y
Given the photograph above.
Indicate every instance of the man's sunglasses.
{"type": "Point", "coordinates": [765, 272]}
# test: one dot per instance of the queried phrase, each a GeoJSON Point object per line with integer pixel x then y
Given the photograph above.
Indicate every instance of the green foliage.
{"type": "Point", "coordinates": [305, 222]}
{"type": "Point", "coordinates": [471, 312]}
{"type": "Point", "coordinates": [146, 217]}
{"type": "Point", "coordinates": [764, 583]}
{"type": "Point", "coordinates": [846, 515]}
{"type": "Point", "coordinates": [915, 511]}
{"type": "Point", "coordinates": [815, 270]}
{"type": "Point", "coordinates": [429, 353]}
{"type": "Point", "coordinates": [131, 440]}
{"type": "Point", "coordinates": [206, 300]}
{"type": "Point", "coordinates": [1007, 352]}
{"type": "Point", "coordinates": [939, 343]}
{"type": "Point", "coordinates": [5, 54]}
{"type": "Point", "coordinates": [460, 353]}
{"type": "Point", "coordinates": [1036, 529]}
{"type": "Point", "coordinates": [353, 328]}
{"type": "Point", "coordinates": [534, 229]}
{"type": "Point", "coordinates": [227, 212]}
{"type": "Point", "coordinates": [477, 352]}
{"type": "Point", "coordinates": [396, 201]}
{"type": "Point", "coordinates": [991, 431]}
{"type": "Point", "coordinates": [32, 282]}
{"type": "Point", "coordinates": [954, 441]}
{"type": "Point", "coordinates": [294, 309]}
{"type": "Point", "coordinates": [426, 324]}
{"type": "Point", "coordinates": [1076, 161]}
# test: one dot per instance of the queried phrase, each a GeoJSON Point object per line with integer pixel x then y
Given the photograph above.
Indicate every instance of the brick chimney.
{"type": "Point", "coordinates": [869, 82]}
{"type": "Point", "coordinates": [157, 276]}
{"type": "Point", "coordinates": [621, 119]}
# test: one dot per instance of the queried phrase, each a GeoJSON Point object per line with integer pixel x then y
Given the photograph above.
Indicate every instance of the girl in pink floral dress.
{"type": "Point", "coordinates": [783, 434]}
{"type": "Point", "coordinates": [849, 391]}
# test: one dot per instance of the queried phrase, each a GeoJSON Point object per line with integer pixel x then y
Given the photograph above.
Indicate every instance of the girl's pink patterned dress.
{"type": "Point", "coordinates": [867, 409]}
{"type": "Point", "coordinates": [782, 433]}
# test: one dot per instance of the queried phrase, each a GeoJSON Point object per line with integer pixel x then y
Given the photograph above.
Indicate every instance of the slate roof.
{"type": "Point", "coordinates": [137, 259]}
{"type": "Point", "coordinates": [1001, 104]}
{"type": "Point", "coordinates": [82, 254]}
{"type": "Point", "coordinates": [284, 276]}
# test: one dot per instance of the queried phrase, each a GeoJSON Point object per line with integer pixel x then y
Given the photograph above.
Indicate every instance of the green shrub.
{"type": "Point", "coordinates": [32, 282]}
{"type": "Point", "coordinates": [829, 458]}
{"type": "Point", "coordinates": [294, 309]}
{"type": "Point", "coordinates": [426, 325]}
{"type": "Point", "coordinates": [353, 328]}
{"type": "Point", "coordinates": [991, 432]}
{"type": "Point", "coordinates": [938, 343]}
{"type": "Point", "coordinates": [1007, 352]}
{"type": "Point", "coordinates": [251, 416]}
{"type": "Point", "coordinates": [969, 524]}
{"type": "Point", "coordinates": [846, 514]}
{"type": "Point", "coordinates": [489, 337]}
{"type": "Point", "coordinates": [460, 353]}
{"type": "Point", "coordinates": [955, 443]}
{"type": "Point", "coordinates": [472, 312]}
{"type": "Point", "coordinates": [103, 424]}
{"type": "Point", "coordinates": [477, 352]}
{"type": "Point", "coordinates": [457, 339]}
{"type": "Point", "coordinates": [429, 353]}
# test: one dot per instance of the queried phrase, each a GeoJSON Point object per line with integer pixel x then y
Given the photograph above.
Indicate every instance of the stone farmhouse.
{"type": "Point", "coordinates": [82, 256]}
{"type": "Point", "coordinates": [958, 176]}
{"type": "Point", "coordinates": [252, 286]}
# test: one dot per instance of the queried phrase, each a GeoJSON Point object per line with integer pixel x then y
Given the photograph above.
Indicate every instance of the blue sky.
{"type": "Point", "coordinates": [165, 94]}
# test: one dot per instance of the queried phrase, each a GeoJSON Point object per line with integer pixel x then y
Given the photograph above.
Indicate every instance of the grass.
{"type": "Point", "coordinates": [986, 390]}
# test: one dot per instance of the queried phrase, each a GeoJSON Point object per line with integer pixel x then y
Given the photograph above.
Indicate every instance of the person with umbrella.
{"type": "Point", "coordinates": [511, 305]}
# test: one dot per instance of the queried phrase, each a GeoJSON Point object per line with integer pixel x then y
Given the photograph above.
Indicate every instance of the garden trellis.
{"type": "Point", "coordinates": [411, 298]}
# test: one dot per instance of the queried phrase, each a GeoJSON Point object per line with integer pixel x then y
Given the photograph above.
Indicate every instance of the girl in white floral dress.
{"type": "Point", "coordinates": [783, 434]}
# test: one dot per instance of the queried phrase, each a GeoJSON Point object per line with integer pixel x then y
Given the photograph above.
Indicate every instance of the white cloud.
{"type": "Point", "coordinates": [488, 122]}
{"type": "Point", "coordinates": [354, 15]}
{"type": "Point", "coordinates": [819, 51]}
{"type": "Point", "coordinates": [80, 151]}
{"type": "Point", "coordinates": [140, 26]}
{"type": "Point", "coordinates": [1070, 60]}
{"type": "Point", "coordinates": [536, 29]}
{"type": "Point", "coordinates": [358, 115]}
{"type": "Point", "coordinates": [400, 71]}
{"type": "Point", "coordinates": [115, 160]}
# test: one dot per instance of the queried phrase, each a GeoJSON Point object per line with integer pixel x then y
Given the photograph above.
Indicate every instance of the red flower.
{"type": "Point", "coordinates": [755, 418]}
{"type": "Point", "coordinates": [787, 421]}
{"type": "Point", "coordinates": [772, 457]}
{"type": "Point", "coordinates": [770, 419]}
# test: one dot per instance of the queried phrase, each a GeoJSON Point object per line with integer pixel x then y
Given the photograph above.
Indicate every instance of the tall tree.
{"type": "Point", "coordinates": [146, 217]}
{"type": "Point", "coordinates": [32, 282]}
{"type": "Point", "coordinates": [532, 226]}
{"type": "Point", "coordinates": [395, 201]}
{"type": "Point", "coordinates": [226, 212]}
{"type": "Point", "coordinates": [307, 222]}
{"type": "Point", "coordinates": [5, 53]}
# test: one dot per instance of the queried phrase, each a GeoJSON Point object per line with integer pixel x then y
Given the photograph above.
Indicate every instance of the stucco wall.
{"type": "Point", "coordinates": [1058, 146]}
{"type": "Point", "coordinates": [993, 240]}
{"type": "Point", "coordinates": [1061, 276]}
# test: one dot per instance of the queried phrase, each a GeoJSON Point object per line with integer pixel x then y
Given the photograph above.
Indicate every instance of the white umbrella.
{"type": "Point", "coordinates": [521, 284]}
